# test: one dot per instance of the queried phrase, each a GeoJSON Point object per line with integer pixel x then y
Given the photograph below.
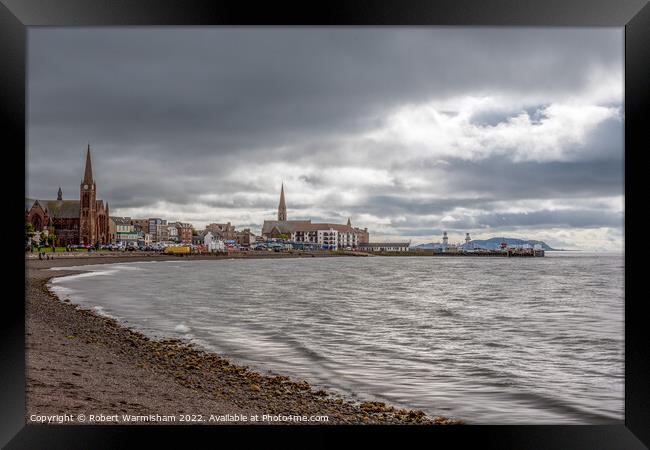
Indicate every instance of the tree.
{"type": "Point", "coordinates": [51, 239]}
{"type": "Point", "coordinates": [283, 236]}
{"type": "Point", "coordinates": [29, 231]}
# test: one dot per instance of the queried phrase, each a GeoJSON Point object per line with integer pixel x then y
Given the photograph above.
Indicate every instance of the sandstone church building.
{"type": "Point", "coordinates": [332, 235]}
{"type": "Point", "coordinates": [83, 221]}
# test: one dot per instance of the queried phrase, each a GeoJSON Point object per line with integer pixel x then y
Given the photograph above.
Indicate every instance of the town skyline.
{"type": "Point", "coordinates": [181, 136]}
{"type": "Point", "coordinates": [462, 236]}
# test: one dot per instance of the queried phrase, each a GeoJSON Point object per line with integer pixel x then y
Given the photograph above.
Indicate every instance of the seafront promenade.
{"type": "Point", "coordinates": [161, 256]}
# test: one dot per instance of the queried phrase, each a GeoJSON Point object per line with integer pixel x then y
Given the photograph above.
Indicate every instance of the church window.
{"type": "Point", "coordinates": [36, 222]}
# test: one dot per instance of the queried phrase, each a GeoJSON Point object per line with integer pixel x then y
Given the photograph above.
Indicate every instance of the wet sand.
{"type": "Point", "coordinates": [78, 362]}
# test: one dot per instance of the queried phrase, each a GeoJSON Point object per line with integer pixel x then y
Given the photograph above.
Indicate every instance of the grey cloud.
{"type": "Point", "coordinates": [494, 117]}
{"type": "Point", "coordinates": [599, 177]}
{"type": "Point", "coordinates": [511, 221]}
{"type": "Point", "coordinates": [545, 218]}
{"type": "Point", "coordinates": [219, 90]}
{"type": "Point", "coordinates": [393, 205]}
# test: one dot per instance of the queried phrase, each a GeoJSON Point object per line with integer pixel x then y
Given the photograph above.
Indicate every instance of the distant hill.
{"type": "Point", "coordinates": [490, 244]}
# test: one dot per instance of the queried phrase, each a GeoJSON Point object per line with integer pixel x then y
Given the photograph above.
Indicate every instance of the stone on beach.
{"type": "Point", "coordinates": [112, 365]}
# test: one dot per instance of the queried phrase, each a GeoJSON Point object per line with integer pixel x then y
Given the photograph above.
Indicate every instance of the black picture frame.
{"type": "Point", "coordinates": [16, 15]}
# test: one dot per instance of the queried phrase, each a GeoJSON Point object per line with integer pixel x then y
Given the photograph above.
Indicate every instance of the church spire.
{"type": "Point", "coordinates": [88, 173]}
{"type": "Point", "coordinates": [59, 194]}
{"type": "Point", "coordinates": [349, 223]}
{"type": "Point", "coordinates": [282, 208]}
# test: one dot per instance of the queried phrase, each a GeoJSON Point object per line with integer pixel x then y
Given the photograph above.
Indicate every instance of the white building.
{"type": "Point", "coordinates": [327, 237]}
{"type": "Point", "coordinates": [331, 236]}
{"type": "Point", "coordinates": [172, 233]}
{"type": "Point", "coordinates": [212, 243]}
{"type": "Point", "coordinates": [124, 230]}
{"type": "Point", "coordinates": [348, 239]}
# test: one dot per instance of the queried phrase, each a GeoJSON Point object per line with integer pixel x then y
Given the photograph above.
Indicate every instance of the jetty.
{"type": "Point", "coordinates": [508, 253]}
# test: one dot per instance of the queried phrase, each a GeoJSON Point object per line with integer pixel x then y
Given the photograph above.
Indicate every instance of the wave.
{"type": "Point", "coordinates": [360, 338]}
{"type": "Point", "coordinates": [182, 328]}
{"type": "Point", "coordinates": [102, 312]}
{"type": "Point", "coordinates": [97, 273]}
{"type": "Point", "coordinates": [550, 403]}
{"type": "Point", "coordinates": [61, 291]}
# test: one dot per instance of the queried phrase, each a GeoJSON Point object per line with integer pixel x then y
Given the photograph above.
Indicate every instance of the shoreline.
{"type": "Point", "coordinates": [78, 362]}
{"type": "Point", "coordinates": [148, 256]}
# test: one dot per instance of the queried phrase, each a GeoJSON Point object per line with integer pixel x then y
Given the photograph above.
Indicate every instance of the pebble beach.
{"type": "Point", "coordinates": [80, 363]}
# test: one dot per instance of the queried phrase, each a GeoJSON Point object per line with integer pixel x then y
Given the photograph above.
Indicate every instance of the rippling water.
{"type": "Point", "coordinates": [488, 340]}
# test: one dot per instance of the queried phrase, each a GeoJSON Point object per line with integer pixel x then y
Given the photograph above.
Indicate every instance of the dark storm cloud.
{"type": "Point", "coordinates": [393, 205]}
{"type": "Point", "coordinates": [480, 185]}
{"type": "Point", "coordinates": [599, 177]}
{"type": "Point", "coordinates": [173, 113]}
{"type": "Point", "coordinates": [535, 219]}
{"type": "Point", "coordinates": [217, 90]}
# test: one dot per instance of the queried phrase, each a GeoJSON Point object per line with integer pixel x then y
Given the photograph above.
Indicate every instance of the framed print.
{"type": "Point", "coordinates": [373, 219]}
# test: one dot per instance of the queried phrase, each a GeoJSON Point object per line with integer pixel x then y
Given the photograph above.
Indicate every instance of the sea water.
{"type": "Point", "coordinates": [488, 340]}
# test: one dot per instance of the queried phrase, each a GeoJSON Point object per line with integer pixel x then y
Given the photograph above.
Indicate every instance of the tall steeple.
{"type": "Point", "coordinates": [282, 208]}
{"type": "Point", "coordinates": [349, 223]}
{"type": "Point", "coordinates": [88, 205]}
{"type": "Point", "coordinates": [88, 173]}
{"type": "Point", "coordinates": [59, 194]}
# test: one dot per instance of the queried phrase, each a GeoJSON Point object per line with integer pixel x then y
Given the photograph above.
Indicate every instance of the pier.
{"type": "Point", "coordinates": [510, 253]}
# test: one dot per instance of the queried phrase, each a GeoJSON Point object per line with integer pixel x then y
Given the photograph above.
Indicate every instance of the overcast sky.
{"type": "Point", "coordinates": [409, 131]}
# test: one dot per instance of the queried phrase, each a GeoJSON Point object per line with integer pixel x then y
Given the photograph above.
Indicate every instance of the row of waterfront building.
{"type": "Point", "coordinates": [332, 235]}
{"type": "Point", "coordinates": [303, 232]}
{"type": "Point", "coordinates": [87, 222]}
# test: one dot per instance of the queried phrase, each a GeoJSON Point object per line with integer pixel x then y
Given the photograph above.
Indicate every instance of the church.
{"type": "Point", "coordinates": [83, 221]}
{"type": "Point", "coordinates": [330, 235]}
